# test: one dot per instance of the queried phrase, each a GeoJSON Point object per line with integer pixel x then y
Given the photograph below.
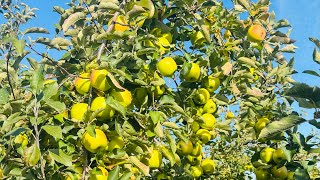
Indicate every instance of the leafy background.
{"type": "Point", "coordinates": [303, 17]}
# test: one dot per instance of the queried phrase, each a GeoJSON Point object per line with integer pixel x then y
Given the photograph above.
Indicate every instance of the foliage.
{"type": "Point", "coordinates": [42, 139]}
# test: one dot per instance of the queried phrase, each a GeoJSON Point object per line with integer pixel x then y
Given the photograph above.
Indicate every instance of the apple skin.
{"type": "Point", "coordinates": [196, 171]}
{"type": "Point", "coordinates": [78, 111]}
{"type": "Point", "coordinates": [184, 148]}
{"type": "Point", "coordinates": [261, 123]}
{"type": "Point", "coordinates": [123, 97]}
{"type": "Point", "coordinates": [194, 160]}
{"type": "Point", "coordinates": [194, 73]}
{"type": "Point", "coordinates": [155, 159]}
{"type": "Point", "coordinates": [82, 83]}
{"type": "Point", "coordinates": [93, 144]}
{"type": "Point", "coordinates": [208, 121]}
{"type": "Point", "coordinates": [210, 107]}
{"type": "Point", "coordinates": [202, 96]}
{"type": "Point", "coordinates": [262, 174]}
{"type": "Point", "coordinates": [102, 176]}
{"type": "Point", "coordinates": [256, 33]}
{"type": "Point", "coordinates": [100, 102]}
{"type": "Point", "coordinates": [197, 149]}
{"type": "Point", "coordinates": [115, 143]}
{"type": "Point", "coordinates": [280, 173]}
{"type": "Point", "coordinates": [99, 80]}
{"type": "Point", "coordinates": [208, 166]}
{"type": "Point", "coordinates": [278, 156]}
{"type": "Point", "coordinates": [266, 154]}
{"type": "Point", "coordinates": [203, 135]}
{"type": "Point", "coordinates": [211, 83]}
{"type": "Point", "coordinates": [167, 66]}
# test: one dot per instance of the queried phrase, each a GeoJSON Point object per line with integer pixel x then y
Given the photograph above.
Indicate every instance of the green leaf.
{"type": "Point", "coordinates": [33, 63]}
{"type": "Point", "coordinates": [155, 116]}
{"type": "Point", "coordinates": [54, 131]}
{"type": "Point", "coordinates": [306, 95]}
{"type": "Point", "coordinates": [158, 130]}
{"type": "Point", "coordinates": [117, 153]}
{"type": "Point", "coordinates": [247, 61]}
{"type": "Point", "coordinates": [31, 155]}
{"type": "Point", "coordinates": [314, 150]}
{"type": "Point", "coordinates": [168, 154]}
{"type": "Point", "coordinates": [36, 30]}
{"type": "Point", "coordinates": [281, 23]}
{"type": "Point", "coordinates": [56, 105]}
{"type": "Point", "coordinates": [114, 173]}
{"type": "Point", "coordinates": [145, 169]}
{"type": "Point", "coordinates": [316, 56]}
{"type": "Point", "coordinates": [126, 176]}
{"type": "Point", "coordinates": [171, 125]}
{"type": "Point", "coordinates": [171, 141]}
{"type": "Point", "coordinates": [315, 123]}
{"type": "Point", "coordinates": [16, 131]}
{"type": "Point", "coordinates": [59, 156]}
{"type": "Point", "coordinates": [167, 99]}
{"type": "Point", "coordinates": [19, 45]}
{"type": "Point", "coordinates": [279, 126]}
{"type": "Point", "coordinates": [311, 73]}
{"type": "Point", "coordinates": [90, 129]}
{"type": "Point", "coordinates": [108, 6]}
{"type": "Point", "coordinates": [301, 174]}
{"type": "Point", "coordinates": [4, 96]}
{"type": "Point", "coordinates": [37, 81]}
{"type": "Point", "coordinates": [116, 105]}
{"type": "Point", "coordinates": [72, 19]}
{"type": "Point", "coordinates": [114, 83]}
{"type": "Point", "coordinates": [50, 90]}
{"type": "Point", "coordinates": [315, 41]}
{"type": "Point", "coordinates": [186, 67]}
{"type": "Point", "coordinates": [127, 127]}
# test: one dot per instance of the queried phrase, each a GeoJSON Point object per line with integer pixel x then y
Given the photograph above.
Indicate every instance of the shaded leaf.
{"type": "Point", "coordinates": [56, 105]}
{"type": "Point", "coordinates": [54, 131]}
{"type": "Point", "coordinates": [114, 173]}
{"type": "Point", "coordinates": [31, 155]}
{"type": "Point", "coordinates": [72, 19]}
{"type": "Point", "coordinates": [4, 96]}
{"type": "Point", "coordinates": [279, 126]}
{"type": "Point", "coordinates": [145, 169]}
{"type": "Point", "coordinates": [36, 30]}
{"type": "Point", "coordinates": [19, 45]}
{"type": "Point", "coordinates": [311, 73]}
{"type": "Point", "coordinates": [59, 156]}
{"type": "Point", "coordinates": [316, 56]}
{"type": "Point", "coordinates": [37, 81]}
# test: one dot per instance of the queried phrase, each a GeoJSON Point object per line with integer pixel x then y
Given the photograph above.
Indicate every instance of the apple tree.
{"type": "Point", "coordinates": [150, 89]}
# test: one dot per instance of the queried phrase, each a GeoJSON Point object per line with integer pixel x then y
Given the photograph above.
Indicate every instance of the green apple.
{"type": "Point", "coordinates": [211, 83]}
{"type": "Point", "coordinates": [208, 121]}
{"type": "Point", "coordinates": [201, 96]}
{"type": "Point", "coordinates": [197, 149]}
{"type": "Point", "coordinates": [203, 135]}
{"type": "Point", "coordinates": [115, 143]}
{"type": "Point", "coordinates": [208, 166]}
{"type": "Point", "coordinates": [99, 80]}
{"type": "Point", "coordinates": [280, 173]}
{"type": "Point", "coordinates": [196, 171]}
{"type": "Point", "coordinates": [266, 154]}
{"type": "Point", "coordinates": [155, 159]}
{"type": "Point", "coordinates": [262, 174]}
{"type": "Point", "coordinates": [194, 160]}
{"type": "Point", "coordinates": [194, 74]}
{"type": "Point", "coordinates": [278, 156]}
{"type": "Point", "coordinates": [184, 148]}
{"type": "Point", "coordinates": [100, 103]}
{"type": "Point", "coordinates": [210, 107]}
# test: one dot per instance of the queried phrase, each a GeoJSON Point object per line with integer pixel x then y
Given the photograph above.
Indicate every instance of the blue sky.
{"type": "Point", "coordinates": [302, 14]}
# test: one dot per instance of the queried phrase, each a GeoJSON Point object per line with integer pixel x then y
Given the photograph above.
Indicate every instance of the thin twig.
{"type": "Point", "coordinates": [51, 60]}
{"type": "Point", "coordinates": [94, 22]}
{"type": "Point", "coordinates": [37, 135]}
{"type": "Point", "coordinates": [7, 58]}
